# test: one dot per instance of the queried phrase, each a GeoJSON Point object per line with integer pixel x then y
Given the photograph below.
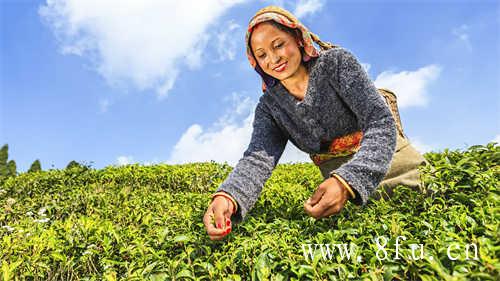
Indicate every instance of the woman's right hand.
{"type": "Point", "coordinates": [219, 212]}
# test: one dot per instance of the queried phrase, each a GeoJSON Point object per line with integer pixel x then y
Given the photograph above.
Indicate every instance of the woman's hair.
{"type": "Point", "coordinates": [295, 33]}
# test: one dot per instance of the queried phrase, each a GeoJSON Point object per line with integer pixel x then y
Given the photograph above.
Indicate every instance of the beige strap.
{"type": "Point", "coordinates": [391, 100]}
{"type": "Point", "coordinates": [322, 44]}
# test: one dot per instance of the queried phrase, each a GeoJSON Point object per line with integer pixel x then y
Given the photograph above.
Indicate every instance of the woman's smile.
{"type": "Point", "coordinates": [281, 67]}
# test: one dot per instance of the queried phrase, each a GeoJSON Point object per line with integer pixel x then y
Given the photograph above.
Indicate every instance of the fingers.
{"type": "Point", "coordinates": [228, 225]}
{"type": "Point", "coordinates": [225, 231]}
{"type": "Point", "coordinates": [317, 195]}
{"type": "Point", "coordinates": [220, 218]}
{"type": "Point", "coordinates": [219, 213]}
{"type": "Point", "coordinates": [333, 210]}
{"type": "Point", "coordinates": [316, 210]}
{"type": "Point", "coordinates": [315, 206]}
{"type": "Point", "coordinates": [212, 231]}
{"type": "Point", "coordinates": [331, 202]}
{"type": "Point", "coordinates": [324, 208]}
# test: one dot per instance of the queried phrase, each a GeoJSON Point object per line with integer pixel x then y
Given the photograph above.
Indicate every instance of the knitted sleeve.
{"type": "Point", "coordinates": [247, 179]}
{"type": "Point", "coordinates": [370, 164]}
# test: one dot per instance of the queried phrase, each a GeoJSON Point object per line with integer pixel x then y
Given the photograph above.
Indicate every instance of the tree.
{"type": "Point", "coordinates": [11, 166]}
{"type": "Point", "coordinates": [7, 169]}
{"type": "Point", "coordinates": [4, 155]}
{"type": "Point", "coordinates": [73, 164]}
{"type": "Point", "coordinates": [35, 167]}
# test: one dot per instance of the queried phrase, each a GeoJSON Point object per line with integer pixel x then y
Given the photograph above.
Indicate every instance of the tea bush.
{"type": "Point", "coordinates": [145, 222]}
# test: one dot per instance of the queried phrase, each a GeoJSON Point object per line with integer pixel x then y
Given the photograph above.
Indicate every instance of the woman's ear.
{"type": "Point", "coordinates": [305, 56]}
{"type": "Point", "coordinates": [298, 38]}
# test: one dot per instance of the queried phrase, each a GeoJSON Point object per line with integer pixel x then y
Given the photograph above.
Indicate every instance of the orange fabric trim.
{"type": "Point", "coordinates": [341, 146]}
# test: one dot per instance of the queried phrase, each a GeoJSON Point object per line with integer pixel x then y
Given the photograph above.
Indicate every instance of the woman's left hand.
{"type": "Point", "coordinates": [327, 200]}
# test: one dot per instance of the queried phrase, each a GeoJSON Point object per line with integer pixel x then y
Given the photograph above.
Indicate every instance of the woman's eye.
{"type": "Point", "coordinates": [261, 56]}
{"type": "Point", "coordinates": [279, 45]}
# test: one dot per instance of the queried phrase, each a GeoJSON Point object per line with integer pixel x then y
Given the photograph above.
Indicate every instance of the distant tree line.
{"type": "Point", "coordinates": [8, 167]}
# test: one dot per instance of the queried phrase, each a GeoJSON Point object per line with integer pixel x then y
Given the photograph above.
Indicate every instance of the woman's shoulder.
{"type": "Point", "coordinates": [336, 59]}
{"type": "Point", "coordinates": [334, 54]}
{"type": "Point", "coordinates": [264, 102]}
{"type": "Point", "coordinates": [325, 65]}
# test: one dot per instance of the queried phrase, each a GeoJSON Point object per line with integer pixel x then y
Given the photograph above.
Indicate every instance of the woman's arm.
{"type": "Point", "coordinates": [370, 164]}
{"type": "Point", "coordinates": [266, 146]}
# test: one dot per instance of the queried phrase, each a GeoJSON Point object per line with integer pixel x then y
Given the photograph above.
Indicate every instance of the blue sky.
{"type": "Point", "coordinates": [117, 82]}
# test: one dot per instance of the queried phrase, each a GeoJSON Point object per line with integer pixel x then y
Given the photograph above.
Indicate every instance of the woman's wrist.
{"type": "Point", "coordinates": [345, 184]}
{"type": "Point", "coordinates": [228, 197]}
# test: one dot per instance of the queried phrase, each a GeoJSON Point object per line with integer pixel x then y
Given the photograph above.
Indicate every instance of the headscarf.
{"type": "Point", "coordinates": [285, 18]}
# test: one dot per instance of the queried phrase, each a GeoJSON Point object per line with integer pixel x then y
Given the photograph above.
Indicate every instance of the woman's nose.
{"type": "Point", "coordinates": [275, 58]}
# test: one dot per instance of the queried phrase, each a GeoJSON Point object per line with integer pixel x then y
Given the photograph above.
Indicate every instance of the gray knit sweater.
{"type": "Point", "coordinates": [340, 99]}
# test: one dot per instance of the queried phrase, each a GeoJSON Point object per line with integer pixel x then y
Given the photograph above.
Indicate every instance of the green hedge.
{"type": "Point", "coordinates": [145, 222]}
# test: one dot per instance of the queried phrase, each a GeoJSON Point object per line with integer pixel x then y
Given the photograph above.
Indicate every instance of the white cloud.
{"type": "Point", "coordinates": [139, 43]}
{"type": "Point", "coordinates": [497, 139]}
{"type": "Point", "coordinates": [293, 154]}
{"type": "Point", "coordinates": [420, 146]}
{"type": "Point", "coordinates": [226, 43]}
{"type": "Point", "coordinates": [409, 86]}
{"type": "Point", "coordinates": [196, 145]}
{"type": "Point", "coordinates": [226, 139]}
{"type": "Point", "coordinates": [194, 56]}
{"type": "Point", "coordinates": [307, 7]}
{"type": "Point", "coordinates": [366, 66]}
{"type": "Point", "coordinates": [155, 161]}
{"type": "Point", "coordinates": [124, 160]}
{"type": "Point", "coordinates": [462, 33]}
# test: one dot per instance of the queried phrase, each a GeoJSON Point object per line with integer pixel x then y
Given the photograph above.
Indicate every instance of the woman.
{"type": "Point", "coordinates": [325, 104]}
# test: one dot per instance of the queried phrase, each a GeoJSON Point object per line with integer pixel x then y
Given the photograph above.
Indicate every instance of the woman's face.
{"type": "Point", "coordinates": [276, 51]}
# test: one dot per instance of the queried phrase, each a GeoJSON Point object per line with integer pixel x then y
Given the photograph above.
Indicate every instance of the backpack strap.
{"type": "Point", "coordinates": [324, 45]}
{"type": "Point", "coordinates": [391, 101]}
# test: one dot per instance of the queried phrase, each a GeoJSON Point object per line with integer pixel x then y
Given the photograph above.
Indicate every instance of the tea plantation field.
{"type": "Point", "coordinates": [145, 223]}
